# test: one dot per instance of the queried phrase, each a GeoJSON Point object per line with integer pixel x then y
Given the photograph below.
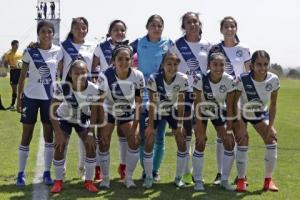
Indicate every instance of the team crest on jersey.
{"type": "Point", "coordinates": [176, 88]}
{"type": "Point", "coordinates": [222, 89]}
{"type": "Point", "coordinates": [269, 87]}
{"type": "Point", "coordinates": [239, 53]}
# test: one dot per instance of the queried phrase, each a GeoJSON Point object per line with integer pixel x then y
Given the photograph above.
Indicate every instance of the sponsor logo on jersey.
{"type": "Point", "coordinates": [70, 49]}
{"type": "Point", "coordinates": [269, 87]}
{"type": "Point", "coordinates": [239, 53]}
{"type": "Point", "coordinates": [183, 48]}
{"type": "Point", "coordinates": [44, 71]}
{"type": "Point", "coordinates": [193, 64]}
{"type": "Point", "coordinates": [222, 89]}
{"type": "Point", "coordinates": [248, 86]}
{"type": "Point", "coordinates": [89, 97]}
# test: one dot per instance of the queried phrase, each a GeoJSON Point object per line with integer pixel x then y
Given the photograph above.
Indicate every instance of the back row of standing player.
{"type": "Point", "coordinates": [192, 51]}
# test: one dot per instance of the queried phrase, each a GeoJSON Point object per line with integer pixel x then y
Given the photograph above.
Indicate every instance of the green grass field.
{"type": "Point", "coordinates": [287, 174]}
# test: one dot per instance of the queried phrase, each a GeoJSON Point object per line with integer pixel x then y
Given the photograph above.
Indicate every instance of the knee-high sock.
{"type": "Point", "coordinates": [122, 149]}
{"type": "Point", "coordinates": [181, 162]}
{"type": "Point", "coordinates": [132, 158]}
{"type": "Point", "coordinates": [241, 161]}
{"type": "Point", "coordinates": [219, 154]}
{"type": "Point", "coordinates": [48, 155]}
{"type": "Point", "coordinates": [189, 151]}
{"type": "Point", "coordinates": [270, 159]}
{"type": "Point", "coordinates": [13, 98]}
{"type": "Point", "coordinates": [148, 164]}
{"type": "Point", "coordinates": [89, 165]}
{"type": "Point", "coordinates": [97, 154]}
{"type": "Point", "coordinates": [23, 156]}
{"type": "Point", "coordinates": [104, 162]}
{"type": "Point", "coordinates": [159, 147]}
{"type": "Point", "coordinates": [228, 159]}
{"type": "Point", "coordinates": [59, 169]}
{"type": "Point", "coordinates": [198, 161]}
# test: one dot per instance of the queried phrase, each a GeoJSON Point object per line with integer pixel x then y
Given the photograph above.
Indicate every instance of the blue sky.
{"type": "Point", "coordinates": [262, 24]}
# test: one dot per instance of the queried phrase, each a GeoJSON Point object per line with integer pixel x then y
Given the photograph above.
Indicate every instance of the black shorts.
{"type": "Point", "coordinates": [14, 76]}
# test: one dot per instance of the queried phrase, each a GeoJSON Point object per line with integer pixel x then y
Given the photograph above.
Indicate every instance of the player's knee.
{"type": "Point", "coordinates": [200, 144]}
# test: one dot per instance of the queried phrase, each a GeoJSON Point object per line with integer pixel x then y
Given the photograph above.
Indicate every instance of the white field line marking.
{"type": "Point", "coordinates": [40, 190]}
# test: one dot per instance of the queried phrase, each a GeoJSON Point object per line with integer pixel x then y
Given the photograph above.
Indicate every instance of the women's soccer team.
{"type": "Point", "coordinates": [140, 88]}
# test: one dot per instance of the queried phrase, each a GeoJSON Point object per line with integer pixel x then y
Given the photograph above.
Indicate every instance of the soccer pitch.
{"type": "Point", "coordinates": [286, 176]}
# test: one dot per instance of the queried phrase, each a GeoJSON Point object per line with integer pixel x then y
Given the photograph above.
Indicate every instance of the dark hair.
{"type": "Point", "coordinates": [167, 54]}
{"type": "Point", "coordinates": [235, 23]}
{"type": "Point", "coordinates": [152, 17]}
{"type": "Point", "coordinates": [45, 23]}
{"type": "Point", "coordinates": [77, 20]}
{"type": "Point", "coordinates": [119, 47]}
{"type": "Point", "coordinates": [79, 59]}
{"type": "Point", "coordinates": [214, 55]}
{"type": "Point", "coordinates": [111, 26]}
{"type": "Point", "coordinates": [14, 42]}
{"type": "Point", "coordinates": [186, 15]}
{"type": "Point", "coordinates": [259, 53]}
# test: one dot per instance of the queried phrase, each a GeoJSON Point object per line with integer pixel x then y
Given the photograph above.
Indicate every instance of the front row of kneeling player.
{"type": "Point", "coordinates": [119, 94]}
{"type": "Point", "coordinates": [117, 98]}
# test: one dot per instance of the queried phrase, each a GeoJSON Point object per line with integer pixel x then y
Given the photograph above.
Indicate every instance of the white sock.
{"type": "Point", "coordinates": [81, 153]}
{"type": "Point", "coordinates": [189, 150]}
{"type": "Point", "coordinates": [181, 163]}
{"type": "Point", "coordinates": [23, 155]}
{"type": "Point", "coordinates": [104, 163]}
{"type": "Point", "coordinates": [132, 158]}
{"type": "Point", "coordinates": [198, 161]}
{"type": "Point", "coordinates": [122, 149]}
{"type": "Point", "coordinates": [270, 159]}
{"type": "Point", "coordinates": [148, 164]}
{"type": "Point", "coordinates": [59, 168]}
{"type": "Point", "coordinates": [241, 161]}
{"type": "Point", "coordinates": [48, 155]}
{"type": "Point", "coordinates": [97, 155]}
{"type": "Point", "coordinates": [219, 154]}
{"type": "Point", "coordinates": [89, 164]}
{"type": "Point", "coordinates": [228, 159]}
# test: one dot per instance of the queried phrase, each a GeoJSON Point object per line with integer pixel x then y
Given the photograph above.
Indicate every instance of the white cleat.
{"type": "Point", "coordinates": [129, 183]}
{"type": "Point", "coordinates": [199, 186]}
{"type": "Point", "coordinates": [178, 182]}
{"type": "Point", "coordinates": [105, 183]}
{"type": "Point", "coordinates": [227, 186]}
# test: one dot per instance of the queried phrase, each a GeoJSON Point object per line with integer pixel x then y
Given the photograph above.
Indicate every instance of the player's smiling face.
{"type": "Point", "coordinates": [192, 24]}
{"type": "Point", "coordinates": [46, 35]}
{"type": "Point", "coordinates": [122, 60]}
{"type": "Point", "coordinates": [229, 29]}
{"type": "Point", "coordinates": [155, 29]}
{"type": "Point", "coordinates": [79, 31]}
{"type": "Point", "coordinates": [261, 66]}
{"type": "Point", "coordinates": [79, 74]}
{"type": "Point", "coordinates": [118, 32]}
{"type": "Point", "coordinates": [217, 66]}
{"type": "Point", "coordinates": [170, 65]}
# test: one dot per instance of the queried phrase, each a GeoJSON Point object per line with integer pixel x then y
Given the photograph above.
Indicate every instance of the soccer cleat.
{"type": "Point", "coordinates": [241, 185]}
{"type": "Point", "coordinates": [105, 183]}
{"type": "Point", "coordinates": [187, 178]}
{"type": "Point", "coordinates": [226, 185]}
{"type": "Point", "coordinates": [47, 178]}
{"type": "Point", "coordinates": [81, 173]}
{"type": "Point", "coordinates": [57, 187]}
{"type": "Point", "coordinates": [143, 175]}
{"type": "Point", "coordinates": [89, 186]}
{"type": "Point", "coordinates": [11, 108]}
{"type": "Point", "coordinates": [20, 179]}
{"type": "Point", "coordinates": [199, 186]}
{"type": "Point", "coordinates": [98, 174]}
{"type": "Point", "coordinates": [121, 171]}
{"type": "Point", "coordinates": [236, 179]}
{"type": "Point", "coordinates": [217, 180]}
{"type": "Point", "coordinates": [129, 183]}
{"type": "Point", "coordinates": [156, 176]}
{"type": "Point", "coordinates": [178, 182]}
{"type": "Point", "coordinates": [148, 182]}
{"type": "Point", "coordinates": [269, 185]}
